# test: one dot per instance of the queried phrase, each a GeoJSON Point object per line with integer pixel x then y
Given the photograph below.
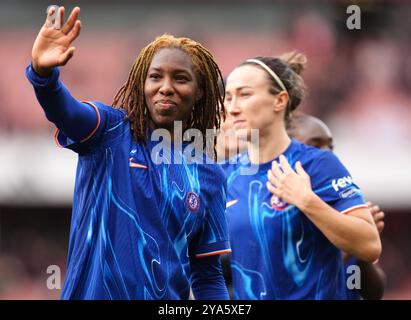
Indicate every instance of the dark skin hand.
{"type": "Point", "coordinates": [52, 47]}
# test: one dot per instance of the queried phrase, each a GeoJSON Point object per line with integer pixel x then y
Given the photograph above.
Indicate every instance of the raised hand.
{"type": "Point", "coordinates": [290, 186]}
{"type": "Point", "coordinates": [52, 47]}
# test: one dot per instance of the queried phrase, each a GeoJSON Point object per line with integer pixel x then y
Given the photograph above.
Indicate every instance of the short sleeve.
{"type": "Point", "coordinates": [108, 118]}
{"type": "Point", "coordinates": [212, 238]}
{"type": "Point", "coordinates": [332, 182]}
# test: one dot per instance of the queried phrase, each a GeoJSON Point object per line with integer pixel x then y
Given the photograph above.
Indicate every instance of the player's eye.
{"type": "Point", "coordinates": [245, 94]}
{"type": "Point", "coordinates": [154, 76]}
{"type": "Point", "coordinates": [182, 78]}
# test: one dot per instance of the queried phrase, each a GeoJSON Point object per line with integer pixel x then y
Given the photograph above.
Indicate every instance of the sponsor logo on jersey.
{"type": "Point", "coordinates": [349, 193]}
{"type": "Point", "coordinates": [341, 183]}
{"type": "Point", "coordinates": [192, 201]}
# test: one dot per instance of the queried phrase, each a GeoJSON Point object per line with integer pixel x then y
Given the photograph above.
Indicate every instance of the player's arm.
{"type": "Point", "coordinates": [207, 279]}
{"type": "Point", "coordinates": [353, 232]}
{"type": "Point", "coordinates": [212, 240]}
{"type": "Point", "coordinates": [52, 48]}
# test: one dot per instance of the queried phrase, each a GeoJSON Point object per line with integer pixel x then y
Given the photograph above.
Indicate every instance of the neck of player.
{"type": "Point", "coordinates": [272, 142]}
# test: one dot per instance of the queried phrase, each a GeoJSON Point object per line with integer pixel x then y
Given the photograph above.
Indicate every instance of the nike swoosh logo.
{"type": "Point", "coordinates": [136, 165]}
{"type": "Point", "coordinates": [231, 203]}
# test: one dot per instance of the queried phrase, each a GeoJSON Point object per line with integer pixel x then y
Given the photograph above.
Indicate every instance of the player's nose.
{"type": "Point", "coordinates": [167, 87]}
{"type": "Point", "coordinates": [233, 107]}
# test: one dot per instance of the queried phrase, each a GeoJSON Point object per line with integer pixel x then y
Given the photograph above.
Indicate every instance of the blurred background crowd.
{"type": "Point", "coordinates": [359, 83]}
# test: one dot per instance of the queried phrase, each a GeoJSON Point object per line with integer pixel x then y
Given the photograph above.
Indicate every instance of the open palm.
{"type": "Point", "coordinates": [52, 47]}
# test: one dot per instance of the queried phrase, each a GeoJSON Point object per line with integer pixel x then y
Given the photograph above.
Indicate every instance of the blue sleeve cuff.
{"type": "Point", "coordinates": [39, 81]}
{"type": "Point", "coordinates": [212, 249]}
{"type": "Point", "coordinates": [347, 205]}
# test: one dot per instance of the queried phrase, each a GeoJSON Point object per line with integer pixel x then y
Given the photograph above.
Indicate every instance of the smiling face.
{"type": "Point", "coordinates": [249, 101]}
{"type": "Point", "coordinates": [171, 88]}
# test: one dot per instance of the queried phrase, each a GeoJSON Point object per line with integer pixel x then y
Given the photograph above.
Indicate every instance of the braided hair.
{"type": "Point", "coordinates": [207, 112]}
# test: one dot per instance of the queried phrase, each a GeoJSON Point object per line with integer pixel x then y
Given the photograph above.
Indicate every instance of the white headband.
{"type": "Point", "coordinates": [271, 72]}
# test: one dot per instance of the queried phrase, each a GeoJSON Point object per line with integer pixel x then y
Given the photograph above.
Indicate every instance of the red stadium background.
{"type": "Point", "coordinates": [359, 83]}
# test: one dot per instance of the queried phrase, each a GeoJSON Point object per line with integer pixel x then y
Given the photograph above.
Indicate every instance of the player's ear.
{"type": "Point", "coordinates": [281, 101]}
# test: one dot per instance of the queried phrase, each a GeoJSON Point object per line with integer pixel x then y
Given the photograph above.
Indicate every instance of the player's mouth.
{"type": "Point", "coordinates": [166, 103]}
{"type": "Point", "coordinates": [239, 124]}
{"type": "Point", "coordinates": [166, 106]}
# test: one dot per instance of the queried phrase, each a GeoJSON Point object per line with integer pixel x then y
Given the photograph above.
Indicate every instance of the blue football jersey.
{"type": "Point", "coordinates": [136, 223]}
{"type": "Point", "coordinates": [277, 252]}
